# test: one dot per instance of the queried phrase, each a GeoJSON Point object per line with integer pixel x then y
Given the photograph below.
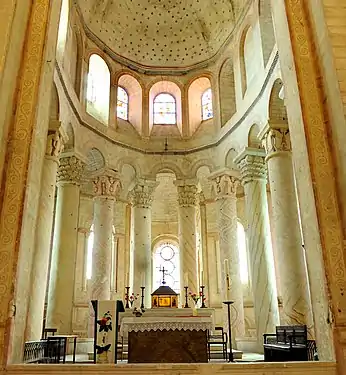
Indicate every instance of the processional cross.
{"type": "Point", "coordinates": [163, 274]}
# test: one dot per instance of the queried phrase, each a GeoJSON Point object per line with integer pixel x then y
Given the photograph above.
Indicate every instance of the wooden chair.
{"type": "Point", "coordinates": [49, 332]}
{"type": "Point", "coordinates": [217, 337]}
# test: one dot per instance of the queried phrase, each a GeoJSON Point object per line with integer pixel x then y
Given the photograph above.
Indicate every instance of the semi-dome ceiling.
{"type": "Point", "coordinates": [162, 33]}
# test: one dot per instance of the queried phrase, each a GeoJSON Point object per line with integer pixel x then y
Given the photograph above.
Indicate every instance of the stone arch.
{"type": "Point", "coordinates": [202, 163]}
{"type": "Point", "coordinates": [253, 140]}
{"type": "Point", "coordinates": [95, 160]}
{"type": "Point", "coordinates": [229, 159]}
{"type": "Point", "coordinates": [228, 106]}
{"type": "Point", "coordinates": [128, 161]}
{"type": "Point", "coordinates": [195, 91]}
{"type": "Point", "coordinates": [205, 184]}
{"type": "Point", "coordinates": [166, 166]}
{"type": "Point", "coordinates": [267, 29]}
{"type": "Point", "coordinates": [277, 110]}
{"type": "Point", "coordinates": [158, 240]}
{"type": "Point", "coordinates": [242, 60]}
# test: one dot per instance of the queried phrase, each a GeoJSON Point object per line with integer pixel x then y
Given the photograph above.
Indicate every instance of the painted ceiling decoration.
{"type": "Point", "coordinates": [162, 33]}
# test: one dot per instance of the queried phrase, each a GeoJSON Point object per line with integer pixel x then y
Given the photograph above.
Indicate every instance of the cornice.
{"type": "Point", "coordinates": [172, 152]}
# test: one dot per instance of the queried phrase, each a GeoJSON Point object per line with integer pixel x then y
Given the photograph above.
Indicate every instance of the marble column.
{"type": "Point", "coordinates": [232, 289]}
{"type": "Point", "coordinates": [43, 234]}
{"type": "Point", "coordinates": [106, 185]}
{"type": "Point", "coordinates": [296, 309]}
{"type": "Point", "coordinates": [142, 196]}
{"type": "Point", "coordinates": [187, 199]}
{"type": "Point", "coordinates": [254, 179]}
{"type": "Point", "coordinates": [63, 260]}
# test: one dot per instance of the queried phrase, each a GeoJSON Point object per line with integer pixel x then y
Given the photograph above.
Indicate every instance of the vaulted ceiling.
{"type": "Point", "coordinates": [162, 33]}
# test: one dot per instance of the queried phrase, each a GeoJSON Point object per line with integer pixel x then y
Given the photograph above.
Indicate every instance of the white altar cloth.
{"type": "Point", "coordinates": [198, 323]}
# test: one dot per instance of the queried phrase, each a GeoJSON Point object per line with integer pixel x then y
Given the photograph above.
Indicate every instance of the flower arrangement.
{"type": "Point", "coordinates": [131, 298]}
{"type": "Point", "coordinates": [196, 297]}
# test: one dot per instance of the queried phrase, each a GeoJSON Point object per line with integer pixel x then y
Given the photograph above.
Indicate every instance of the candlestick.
{"type": "Point", "coordinates": [186, 304]}
{"type": "Point", "coordinates": [127, 296]}
{"type": "Point", "coordinates": [202, 296]}
{"type": "Point", "coordinates": [142, 297]}
{"type": "Point", "coordinates": [228, 304]}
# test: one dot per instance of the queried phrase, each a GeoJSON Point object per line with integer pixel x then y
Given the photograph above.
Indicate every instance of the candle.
{"type": "Point", "coordinates": [127, 279]}
{"type": "Point", "coordinates": [186, 279]}
{"type": "Point", "coordinates": [202, 281]}
{"type": "Point", "coordinates": [143, 279]}
{"type": "Point", "coordinates": [226, 267]}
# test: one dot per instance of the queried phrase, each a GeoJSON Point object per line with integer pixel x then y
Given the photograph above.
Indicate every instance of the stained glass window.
{"type": "Point", "coordinates": [207, 105]}
{"type": "Point", "coordinates": [123, 104]}
{"type": "Point", "coordinates": [165, 109]}
{"type": "Point", "coordinates": [166, 256]}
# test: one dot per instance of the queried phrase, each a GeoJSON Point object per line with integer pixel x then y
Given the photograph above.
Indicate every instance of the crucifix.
{"type": "Point", "coordinates": [163, 274]}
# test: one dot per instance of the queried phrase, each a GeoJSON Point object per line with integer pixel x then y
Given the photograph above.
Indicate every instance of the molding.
{"type": "Point", "coordinates": [171, 152]}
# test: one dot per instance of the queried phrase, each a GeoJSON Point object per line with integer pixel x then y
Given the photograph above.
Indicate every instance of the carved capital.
{"type": "Point", "coordinates": [277, 140]}
{"type": "Point", "coordinates": [143, 193]}
{"type": "Point", "coordinates": [187, 195]}
{"type": "Point", "coordinates": [70, 170]}
{"type": "Point", "coordinates": [55, 144]}
{"type": "Point", "coordinates": [107, 185]}
{"type": "Point", "coordinates": [225, 186]}
{"type": "Point", "coordinates": [252, 165]}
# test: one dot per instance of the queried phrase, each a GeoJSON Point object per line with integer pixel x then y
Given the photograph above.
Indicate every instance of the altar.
{"type": "Point", "coordinates": [167, 338]}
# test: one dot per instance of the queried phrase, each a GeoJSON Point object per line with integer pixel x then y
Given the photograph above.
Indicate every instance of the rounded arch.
{"type": "Point", "coordinates": [128, 161]}
{"type": "Point", "coordinates": [171, 88]}
{"type": "Point", "coordinates": [202, 163]}
{"type": "Point", "coordinates": [277, 110]}
{"type": "Point", "coordinates": [95, 160]}
{"type": "Point", "coordinates": [242, 57]}
{"type": "Point", "coordinates": [228, 105]}
{"type": "Point", "coordinates": [162, 238]}
{"type": "Point", "coordinates": [229, 159]}
{"type": "Point", "coordinates": [62, 29]}
{"type": "Point", "coordinates": [195, 92]}
{"type": "Point", "coordinates": [253, 140]}
{"type": "Point", "coordinates": [98, 88]}
{"type": "Point", "coordinates": [135, 99]}
{"type": "Point", "coordinates": [166, 167]}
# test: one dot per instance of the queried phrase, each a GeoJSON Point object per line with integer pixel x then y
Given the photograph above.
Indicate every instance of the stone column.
{"type": "Point", "coordinates": [43, 234]}
{"type": "Point", "coordinates": [63, 261]}
{"type": "Point", "coordinates": [226, 201]}
{"type": "Point", "coordinates": [142, 201]}
{"type": "Point", "coordinates": [204, 244]}
{"type": "Point", "coordinates": [107, 186]}
{"type": "Point", "coordinates": [254, 179]}
{"type": "Point", "coordinates": [187, 199]}
{"type": "Point", "coordinates": [296, 308]}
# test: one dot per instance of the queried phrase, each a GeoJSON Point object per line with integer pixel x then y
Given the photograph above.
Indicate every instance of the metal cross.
{"type": "Point", "coordinates": [163, 274]}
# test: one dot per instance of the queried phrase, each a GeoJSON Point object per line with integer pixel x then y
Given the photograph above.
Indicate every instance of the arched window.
{"type": "Point", "coordinates": [166, 256]}
{"type": "Point", "coordinates": [123, 104]}
{"type": "Point", "coordinates": [207, 105]}
{"type": "Point", "coordinates": [165, 109]}
{"type": "Point", "coordinates": [98, 89]}
{"type": "Point", "coordinates": [89, 260]}
{"type": "Point", "coordinates": [63, 26]}
{"type": "Point", "coordinates": [244, 273]}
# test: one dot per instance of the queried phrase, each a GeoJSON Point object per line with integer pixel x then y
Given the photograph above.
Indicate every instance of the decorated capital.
{"type": "Point", "coordinates": [143, 193]}
{"type": "Point", "coordinates": [107, 184]}
{"type": "Point", "coordinates": [225, 186]}
{"type": "Point", "coordinates": [276, 138]}
{"type": "Point", "coordinates": [187, 195]}
{"type": "Point", "coordinates": [70, 170]}
{"type": "Point", "coordinates": [252, 165]}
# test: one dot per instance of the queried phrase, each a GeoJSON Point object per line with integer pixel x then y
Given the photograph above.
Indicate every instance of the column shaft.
{"type": "Point", "coordinates": [63, 261]}
{"type": "Point", "coordinates": [227, 225]}
{"type": "Point", "coordinates": [187, 197]}
{"type": "Point", "coordinates": [296, 308]}
{"type": "Point", "coordinates": [102, 249]}
{"type": "Point", "coordinates": [43, 239]}
{"type": "Point", "coordinates": [142, 270]}
{"type": "Point", "coordinates": [252, 166]}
